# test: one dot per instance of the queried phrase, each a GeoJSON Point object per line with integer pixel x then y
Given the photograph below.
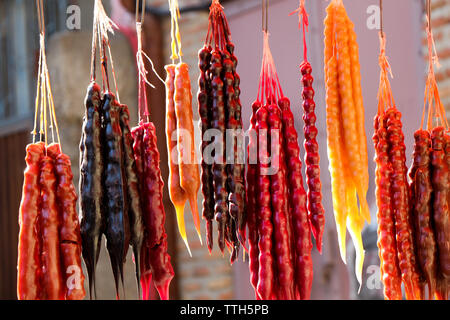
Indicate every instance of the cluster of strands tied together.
{"type": "Point", "coordinates": [220, 109]}
{"type": "Point", "coordinates": [175, 35]}
{"type": "Point", "coordinates": [101, 27]}
{"type": "Point", "coordinates": [347, 145]}
{"type": "Point", "coordinates": [436, 109]}
{"type": "Point", "coordinates": [44, 106]}
{"type": "Point", "coordinates": [269, 89]}
{"type": "Point", "coordinates": [141, 56]}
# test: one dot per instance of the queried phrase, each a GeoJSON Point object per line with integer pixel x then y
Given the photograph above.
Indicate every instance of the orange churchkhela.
{"type": "Point", "coordinates": [389, 267]}
{"type": "Point", "coordinates": [347, 145]}
{"type": "Point", "coordinates": [184, 176]}
{"type": "Point", "coordinates": [49, 248]}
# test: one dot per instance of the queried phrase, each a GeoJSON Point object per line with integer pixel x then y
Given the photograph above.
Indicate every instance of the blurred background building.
{"type": "Point", "coordinates": [204, 276]}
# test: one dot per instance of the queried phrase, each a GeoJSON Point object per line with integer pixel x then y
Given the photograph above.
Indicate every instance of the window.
{"type": "Point", "coordinates": [19, 45]}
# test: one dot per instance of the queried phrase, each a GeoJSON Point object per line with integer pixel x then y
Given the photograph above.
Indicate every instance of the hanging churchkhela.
{"type": "Point", "coordinates": [155, 265]}
{"type": "Point", "coordinates": [223, 175]}
{"type": "Point", "coordinates": [49, 251]}
{"type": "Point", "coordinates": [110, 203]}
{"type": "Point", "coordinates": [430, 187]}
{"type": "Point", "coordinates": [395, 232]}
{"type": "Point", "coordinates": [279, 230]}
{"type": "Point", "coordinates": [347, 145]}
{"type": "Point", "coordinates": [184, 174]}
{"type": "Point", "coordinates": [312, 159]}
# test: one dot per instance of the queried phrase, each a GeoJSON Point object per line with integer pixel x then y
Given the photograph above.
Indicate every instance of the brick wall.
{"type": "Point", "coordinates": [440, 22]}
{"type": "Point", "coordinates": [202, 276]}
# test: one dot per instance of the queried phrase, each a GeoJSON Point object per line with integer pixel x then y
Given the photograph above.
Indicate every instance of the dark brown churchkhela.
{"type": "Point", "coordinates": [237, 183]}
{"type": "Point", "coordinates": [204, 108]}
{"type": "Point", "coordinates": [110, 201]}
{"type": "Point", "coordinates": [134, 201]}
{"type": "Point", "coordinates": [218, 168]}
{"type": "Point", "coordinates": [233, 169]}
{"type": "Point", "coordinates": [422, 195]}
{"type": "Point", "coordinates": [441, 217]}
{"type": "Point", "coordinates": [115, 200]}
{"type": "Point", "coordinates": [91, 188]}
{"type": "Point", "coordinates": [220, 109]}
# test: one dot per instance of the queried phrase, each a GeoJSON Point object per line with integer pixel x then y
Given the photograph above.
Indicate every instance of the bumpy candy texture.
{"type": "Point", "coordinates": [312, 158]}
{"type": "Point", "coordinates": [264, 212]}
{"type": "Point", "coordinates": [279, 198]}
{"type": "Point", "coordinates": [91, 189]}
{"type": "Point", "coordinates": [390, 272]}
{"type": "Point", "coordinates": [298, 204]}
{"type": "Point", "coordinates": [29, 261]}
{"type": "Point", "coordinates": [204, 107]}
{"type": "Point", "coordinates": [400, 204]}
{"type": "Point", "coordinates": [440, 203]}
{"type": "Point", "coordinates": [117, 229]}
{"type": "Point", "coordinates": [52, 277]}
{"type": "Point", "coordinates": [422, 195]}
{"type": "Point", "coordinates": [221, 212]}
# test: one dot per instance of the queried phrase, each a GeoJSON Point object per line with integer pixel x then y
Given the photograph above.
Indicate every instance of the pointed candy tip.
{"type": "Point", "coordinates": [360, 286]}
{"type": "Point", "coordinates": [319, 245]}
{"type": "Point", "coordinates": [343, 258]}
{"type": "Point", "coordinates": [189, 249]}
{"type": "Point", "coordinates": [200, 237]}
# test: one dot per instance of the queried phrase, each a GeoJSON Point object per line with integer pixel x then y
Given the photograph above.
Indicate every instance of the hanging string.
{"type": "Point", "coordinates": [40, 12]}
{"type": "Point", "coordinates": [175, 31]}
{"type": "Point", "coordinates": [142, 72]}
{"type": "Point", "coordinates": [431, 97]}
{"type": "Point", "coordinates": [44, 96]}
{"type": "Point", "coordinates": [381, 19]}
{"type": "Point", "coordinates": [385, 97]}
{"type": "Point", "coordinates": [34, 132]}
{"type": "Point", "coordinates": [303, 24]}
{"type": "Point", "coordinates": [141, 20]}
{"type": "Point", "coordinates": [269, 88]}
{"type": "Point", "coordinates": [265, 15]}
{"type": "Point", "coordinates": [102, 26]}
